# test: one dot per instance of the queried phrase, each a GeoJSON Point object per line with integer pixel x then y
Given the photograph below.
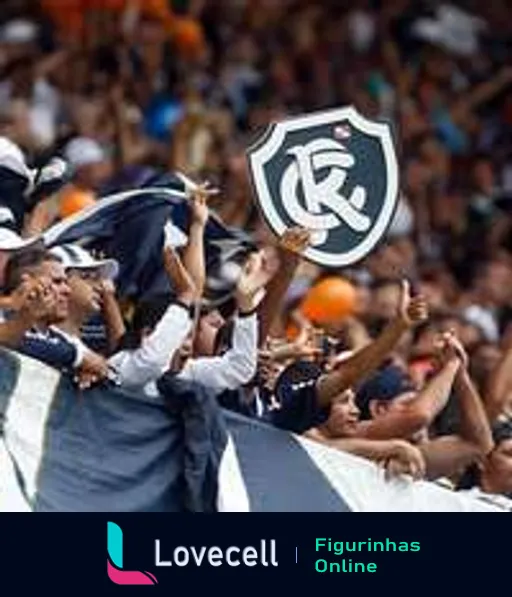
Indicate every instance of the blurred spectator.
{"type": "Point", "coordinates": [123, 87]}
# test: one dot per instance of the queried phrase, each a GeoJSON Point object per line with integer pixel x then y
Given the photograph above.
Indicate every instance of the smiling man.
{"type": "Point", "coordinates": [39, 281]}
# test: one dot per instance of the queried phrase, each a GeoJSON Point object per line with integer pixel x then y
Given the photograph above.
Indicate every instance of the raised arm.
{"type": "Point", "coordinates": [474, 425]}
{"type": "Point", "coordinates": [30, 301]}
{"type": "Point", "coordinates": [362, 363]}
{"type": "Point", "coordinates": [237, 366]}
{"type": "Point", "coordinates": [449, 455]}
{"type": "Point", "coordinates": [487, 90]}
{"type": "Point", "coordinates": [148, 362]}
{"type": "Point", "coordinates": [292, 244]}
{"type": "Point", "coordinates": [193, 253]}
{"type": "Point", "coordinates": [418, 413]}
{"type": "Point", "coordinates": [397, 456]}
{"type": "Point", "coordinates": [500, 384]}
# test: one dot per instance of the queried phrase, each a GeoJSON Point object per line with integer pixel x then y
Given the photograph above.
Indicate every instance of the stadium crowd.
{"type": "Point", "coordinates": [404, 358]}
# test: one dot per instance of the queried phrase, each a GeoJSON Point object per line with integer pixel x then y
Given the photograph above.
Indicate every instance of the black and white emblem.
{"type": "Point", "coordinates": [334, 173]}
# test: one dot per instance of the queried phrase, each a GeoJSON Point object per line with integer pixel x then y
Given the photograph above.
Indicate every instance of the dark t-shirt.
{"type": "Point", "coordinates": [49, 347]}
{"type": "Point", "coordinates": [296, 392]}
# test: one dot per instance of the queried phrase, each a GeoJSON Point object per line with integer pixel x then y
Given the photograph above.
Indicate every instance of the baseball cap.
{"type": "Point", "coordinates": [83, 151]}
{"type": "Point", "coordinates": [76, 257]}
{"type": "Point", "coordinates": [386, 384]}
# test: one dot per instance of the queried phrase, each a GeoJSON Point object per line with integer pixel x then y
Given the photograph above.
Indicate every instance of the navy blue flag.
{"type": "Point", "coordinates": [129, 226]}
{"type": "Point", "coordinates": [107, 450]}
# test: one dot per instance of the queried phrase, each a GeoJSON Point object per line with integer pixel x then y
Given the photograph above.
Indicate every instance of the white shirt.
{"type": "Point", "coordinates": [139, 367]}
{"type": "Point", "coordinates": [233, 369]}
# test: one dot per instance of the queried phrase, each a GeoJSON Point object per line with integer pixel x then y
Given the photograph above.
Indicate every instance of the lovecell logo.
{"type": "Point", "coordinates": [115, 561]}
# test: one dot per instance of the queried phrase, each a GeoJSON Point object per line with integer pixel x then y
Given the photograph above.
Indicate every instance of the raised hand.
{"type": "Point", "coordinates": [180, 278]}
{"type": "Point", "coordinates": [295, 240]}
{"type": "Point", "coordinates": [106, 288]}
{"type": "Point", "coordinates": [199, 205]}
{"type": "Point", "coordinates": [268, 368]}
{"type": "Point", "coordinates": [36, 299]}
{"type": "Point", "coordinates": [412, 311]}
{"type": "Point", "coordinates": [256, 273]}
{"type": "Point", "coordinates": [450, 347]}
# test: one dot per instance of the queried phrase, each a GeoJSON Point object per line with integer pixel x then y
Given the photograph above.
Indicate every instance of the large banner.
{"type": "Point", "coordinates": [112, 451]}
{"type": "Point", "coordinates": [129, 226]}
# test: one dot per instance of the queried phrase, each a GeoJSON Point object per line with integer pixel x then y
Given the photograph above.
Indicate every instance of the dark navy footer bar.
{"type": "Point", "coordinates": [270, 554]}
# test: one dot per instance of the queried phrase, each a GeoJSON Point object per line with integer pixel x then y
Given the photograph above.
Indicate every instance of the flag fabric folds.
{"type": "Point", "coordinates": [129, 226]}
{"type": "Point", "coordinates": [113, 451]}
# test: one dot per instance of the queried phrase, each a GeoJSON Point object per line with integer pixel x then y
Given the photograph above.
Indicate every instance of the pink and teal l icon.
{"type": "Point", "coordinates": [115, 561]}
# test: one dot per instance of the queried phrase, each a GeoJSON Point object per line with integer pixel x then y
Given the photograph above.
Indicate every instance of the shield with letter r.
{"type": "Point", "coordinates": [334, 173]}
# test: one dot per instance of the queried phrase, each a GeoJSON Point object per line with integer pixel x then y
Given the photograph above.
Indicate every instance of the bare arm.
{"type": "Point", "coordinates": [51, 63]}
{"type": "Point", "coordinates": [293, 243]}
{"type": "Point", "coordinates": [193, 253]}
{"type": "Point", "coordinates": [487, 90]}
{"type": "Point", "coordinates": [40, 218]}
{"type": "Point", "coordinates": [138, 367]}
{"type": "Point", "coordinates": [303, 346]}
{"type": "Point", "coordinates": [474, 425]}
{"type": "Point", "coordinates": [275, 293]}
{"type": "Point", "coordinates": [360, 364]}
{"type": "Point", "coordinates": [406, 458]}
{"type": "Point", "coordinates": [178, 154]}
{"type": "Point", "coordinates": [420, 412]}
{"type": "Point", "coordinates": [450, 455]}
{"type": "Point", "coordinates": [238, 365]}
{"type": "Point", "coordinates": [499, 386]}
{"type": "Point", "coordinates": [366, 360]}
{"type": "Point", "coordinates": [356, 334]}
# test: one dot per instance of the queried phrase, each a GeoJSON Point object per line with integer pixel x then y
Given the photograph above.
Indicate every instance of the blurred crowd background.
{"type": "Point", "coordinates": [119, 86]}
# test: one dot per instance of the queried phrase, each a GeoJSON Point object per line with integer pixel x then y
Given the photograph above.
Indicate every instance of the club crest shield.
{"type": "Point", "coordinates": [334, 173]}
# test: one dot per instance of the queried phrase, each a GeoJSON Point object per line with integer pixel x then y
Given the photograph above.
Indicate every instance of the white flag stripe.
{"type": "Point", "coordinates": [364, 488]}
{"type": "Point", "coordinates": [11, 497]}
{"type": "Point", "coordinates": [232, 494]}
{"type": "Point", "coordinates": [26, 416]}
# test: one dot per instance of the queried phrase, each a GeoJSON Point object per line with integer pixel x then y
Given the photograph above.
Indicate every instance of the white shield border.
{"type": "Point", "coordinates": [258, 157]}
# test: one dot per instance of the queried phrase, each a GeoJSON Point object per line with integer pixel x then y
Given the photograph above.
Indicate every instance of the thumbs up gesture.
{"type": "Point", "coordinates": [413, 310]}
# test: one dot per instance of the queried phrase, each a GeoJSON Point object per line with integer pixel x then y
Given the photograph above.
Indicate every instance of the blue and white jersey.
{"type": "Point", "coordinates": [52, 347]}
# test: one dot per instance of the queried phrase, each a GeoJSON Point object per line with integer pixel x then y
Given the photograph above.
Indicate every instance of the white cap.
{"type": "Point", "coordinates": [11, 241]}
{"type": "Point", "coordinates": [83, 151]}
{"type": "Point", "coordinates": [18, 31]}
{"type": "Point", "coordinates": [76, 257]}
